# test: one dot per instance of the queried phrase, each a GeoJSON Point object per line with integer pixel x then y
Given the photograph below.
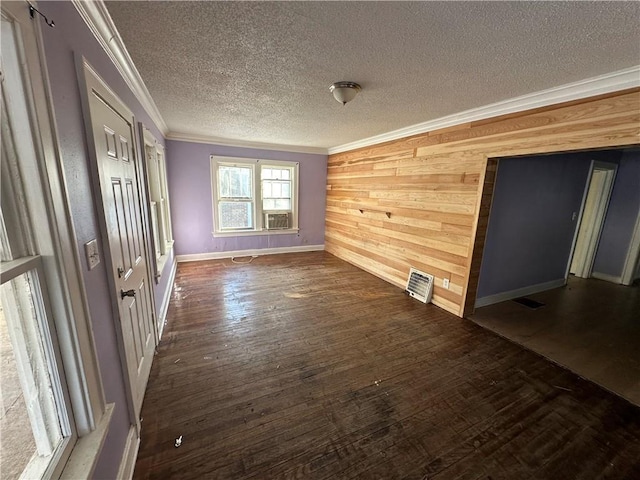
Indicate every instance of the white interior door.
{"type": "Point", "coordinates": [113, 134]}
{"type": "Point", "coordinates": [593, 215]}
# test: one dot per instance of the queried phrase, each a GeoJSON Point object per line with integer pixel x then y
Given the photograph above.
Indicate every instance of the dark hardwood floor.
{"type": "Point", "coordinates": [303, 366]}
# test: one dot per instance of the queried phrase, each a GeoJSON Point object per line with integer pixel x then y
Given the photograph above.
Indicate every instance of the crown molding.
{"type": "Point", "coordinates": [608, 83]}
{"type": "Point", "coordinates": [97, 18]}
{"type": "Point", "coordinates": [225, 142]}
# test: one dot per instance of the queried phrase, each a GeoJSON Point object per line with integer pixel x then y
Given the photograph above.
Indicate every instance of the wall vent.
{"type": "Point", "coordinates": [277, 221]}
{"type": "Point", "coordinates": [420, 285]}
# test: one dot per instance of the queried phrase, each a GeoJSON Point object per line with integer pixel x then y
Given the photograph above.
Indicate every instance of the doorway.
{"type": "Point", "coordinates": [594, 210]}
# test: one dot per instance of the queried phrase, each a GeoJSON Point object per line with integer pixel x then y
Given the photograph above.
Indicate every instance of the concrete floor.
{"type": "Point", "coordinates": [590, 326]}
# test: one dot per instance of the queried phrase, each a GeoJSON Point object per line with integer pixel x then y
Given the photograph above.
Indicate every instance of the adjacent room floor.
{"type": "Point", "coordinates": [590, 326]}
{"type": "Point", "coordinates": [303, 366]}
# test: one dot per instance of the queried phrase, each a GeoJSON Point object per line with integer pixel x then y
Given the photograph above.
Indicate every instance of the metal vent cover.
{"type": "Point", "coordinates": [420, 285]}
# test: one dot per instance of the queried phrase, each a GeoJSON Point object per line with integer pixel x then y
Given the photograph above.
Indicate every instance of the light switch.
{"type": "Point", "coordinates": [91, 251]}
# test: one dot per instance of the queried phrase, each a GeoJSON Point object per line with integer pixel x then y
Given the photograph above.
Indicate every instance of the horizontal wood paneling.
{"type": "Point", "coordinates": [424, 201]}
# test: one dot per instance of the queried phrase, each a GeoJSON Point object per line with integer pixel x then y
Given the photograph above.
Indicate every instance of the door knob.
{"type": "Point", "coordinates": [127, 293]}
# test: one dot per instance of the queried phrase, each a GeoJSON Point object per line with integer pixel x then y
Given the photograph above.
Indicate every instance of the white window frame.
{"type": "Point", "coordinates": [28, 103]}
{"type": "Point", "coordinates": [258, 213]}
{"type": "Point", "coordinates": [158, 204]}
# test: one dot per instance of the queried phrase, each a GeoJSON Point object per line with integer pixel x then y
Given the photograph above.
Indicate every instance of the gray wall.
{"type": "Point", "coordinates": [621, 217]}
{"type": "Point", "coordinates": [531, 229]}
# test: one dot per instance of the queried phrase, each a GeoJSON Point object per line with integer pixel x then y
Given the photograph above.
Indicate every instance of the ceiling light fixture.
{"type": "Point", "coordinates": [344, 91]}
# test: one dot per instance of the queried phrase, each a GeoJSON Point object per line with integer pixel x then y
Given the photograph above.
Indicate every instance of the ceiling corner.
{"type": "Point", "coordinates": [97, 18]}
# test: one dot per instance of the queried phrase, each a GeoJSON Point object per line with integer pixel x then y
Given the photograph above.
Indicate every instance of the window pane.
{"type": "Point", "coordinates": [235, 182]}
{"type": "Point", "coordinates": [286, 190]}
{"type": "Point", "coordinates": [266, 190]}
{"type": "Point", "coordinates": [276, 204]}
{"type": "Point", "coordinates": [236, 215]}
{"type": "Point", "coordinates": [283, 204]}
{"type": "Point", "coordinates": [29, 408]}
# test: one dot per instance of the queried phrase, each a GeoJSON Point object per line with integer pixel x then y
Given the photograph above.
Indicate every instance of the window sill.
{"type": "Point", "coordinates": [85, 454]}
{"type": "Point", "coordinates": [253, 233]}
{"type": "Point", "coordinates": [162, 261]}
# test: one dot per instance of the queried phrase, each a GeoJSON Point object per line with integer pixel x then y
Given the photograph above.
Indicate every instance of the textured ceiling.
{"type": "Point", "coordinates": [260, 71]}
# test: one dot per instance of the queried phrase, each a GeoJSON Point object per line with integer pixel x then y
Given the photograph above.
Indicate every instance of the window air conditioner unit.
{"type": "Point", "coordinates": [420, 285]}
{"type": "Point", "coordinates": [277, 221]}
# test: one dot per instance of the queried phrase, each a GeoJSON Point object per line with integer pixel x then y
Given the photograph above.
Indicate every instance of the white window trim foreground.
{"type": "Point", "coordinates": [158, 205]}
{"type": "Point", "coordinates": [31, 116]}
{"type": "Point", "coordinates": [259, 227]}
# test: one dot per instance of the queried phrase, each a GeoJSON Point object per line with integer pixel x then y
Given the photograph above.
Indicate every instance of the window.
{"type": "Point", "coordinates": [158, 197]}
{"type": "Point", "coordinates": [254, 196]}
{"type": "Point", "coordinates": [52, 393]}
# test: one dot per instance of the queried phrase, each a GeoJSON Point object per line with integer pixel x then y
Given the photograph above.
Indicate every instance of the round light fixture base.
{"type": "Point", "coordinates": [344, 92]}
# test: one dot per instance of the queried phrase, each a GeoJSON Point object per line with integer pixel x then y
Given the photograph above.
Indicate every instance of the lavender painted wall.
{"type": "Point", "coordinates": [531, 230]}
{"type": "Point", "coordinates": [621, 217]}
{"type": "Point", "coordinates": [70, 37]}
{"type": "Point", "coordinates": [190, 190]}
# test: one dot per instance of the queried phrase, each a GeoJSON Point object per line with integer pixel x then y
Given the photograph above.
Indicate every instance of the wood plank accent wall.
{"type": "Point", "coordinates": [424, 201]}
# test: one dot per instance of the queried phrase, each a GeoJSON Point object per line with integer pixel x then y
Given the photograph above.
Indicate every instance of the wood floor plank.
{"type": "Point", "coordinates": [302, 366]}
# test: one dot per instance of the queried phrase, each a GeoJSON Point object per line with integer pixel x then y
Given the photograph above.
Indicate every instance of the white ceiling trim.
{"type": "Point", "coordinates": [225, 142]}
{"type": "Point", "coordinates": [97, 18]}
{"type": "Point", "coordinates": [608, 83]}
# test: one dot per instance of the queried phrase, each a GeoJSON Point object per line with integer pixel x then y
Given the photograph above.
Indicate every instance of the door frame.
{"type": "Point", "coordinates": [595, 229]}
{"type": "Point", "coordinates": [633, 255]}
{"type": "Point", "coordinates": [83, 71]}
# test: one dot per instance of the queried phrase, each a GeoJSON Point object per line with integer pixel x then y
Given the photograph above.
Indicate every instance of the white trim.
{"type": "Point", "coordinates": [606, 277]}
{"type": "Point", "coordinates": [87, 449]}
{"type": "Point", "coordinates": [519, 292]}
{"type": "Point", "coordinates": [195, 257]}
{"type": "Point", "coordinates": [633, 256]}
{"type": "Point", "coordinates": [97, 18]}
{"type": "Point", "coordinates": [255, 233]}
{"type": "Point", "coordinates": [608, 83]}
{"type": "Point", "coordinates": [69, 298]}
{"type": "Point", "coordinates": [162, 318]}
{"type": "Point", "coordinates": [129, 456]}
{"type": "Point", "coordinates": [588, 237]}
{"type": "Point", "coordinates": [227, 142]}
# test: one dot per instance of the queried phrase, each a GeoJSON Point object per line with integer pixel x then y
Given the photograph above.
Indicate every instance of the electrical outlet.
{"type": "Point", "coordinates": [445, 283]}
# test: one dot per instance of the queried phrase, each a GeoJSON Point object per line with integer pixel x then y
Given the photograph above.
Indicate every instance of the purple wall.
{"type": "Point", "coordinates": [190, 190]}
{"type": "Point", "coordinates": [621, 217]}
{"type": "Point", "coordinates": [530, 229]}
{"type": "Point", "coordinates": [68, 38]}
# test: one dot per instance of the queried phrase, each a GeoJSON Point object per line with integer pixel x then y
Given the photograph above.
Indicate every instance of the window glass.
{"type": "Point", "coordinates": [236, 215]}
{"type": "Point", "coordinates": [235, 182]}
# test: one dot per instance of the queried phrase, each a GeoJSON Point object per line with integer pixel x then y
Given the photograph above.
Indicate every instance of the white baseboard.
{"type": "Point", "coordinates": [128, 462]}
{"type": "Point", "coordinates": [606, 277]}
{"type": "Point", "coordinates": [162, 317]}
{"type": "Point", "coordinates": [248, 253]}
{"type": "Point", "coordinates": [520, 292]}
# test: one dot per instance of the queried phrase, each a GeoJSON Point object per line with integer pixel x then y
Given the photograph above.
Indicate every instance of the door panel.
{"type": "Point", "coordinates": [113, 133]}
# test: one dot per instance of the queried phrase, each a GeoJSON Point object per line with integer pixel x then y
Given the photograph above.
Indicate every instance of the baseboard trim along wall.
{"type": "Point", "coordinates": [606, 277]}
{"type": "Point", "coordinates": [167, 297]}
{"type": "Point", "coordinates": [248, 253]}
{"type": "Point", "coordinates": [129, 456]}
{"type": "Point", "coordinates": [519, 292]}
